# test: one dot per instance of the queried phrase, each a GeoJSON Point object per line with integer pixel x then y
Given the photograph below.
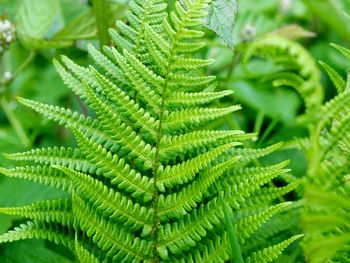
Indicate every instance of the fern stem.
{"type": "Point", "coordinates": [82, 106]}
{"type": "Point", "coordinates": [236, 254]}
{"type": "Point", "coordinates": [259, 121]}
{"type": "Point", "coordinates": [268, 130]}
{"type": "Point", "coordinates": [236, 57]}
{"type": "Point", "coordinates": [26, 62]}
{"type": "Point", "coordinates": [156, 163]}
{"type": "Point", "coordinates": [101, 9]}
{"type": "Point", "coordinates": [159, 136]}
{"type": "Point", "coordinates": [230, 120]}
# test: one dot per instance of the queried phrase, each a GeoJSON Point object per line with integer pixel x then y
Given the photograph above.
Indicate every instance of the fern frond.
{"type": "Point", "coordinates": [113, 205]}
{"type": "Point", "coordinates": [151, 12]}
{"type": "Point", "coordinates": [249, 154]}
{"type": "Point", "coordinates": [105, 64]}
{"type": "Point", "coordinates": [267, 194]}
{"type": "Point", "coordinates": [45, 175]}
{"type": "Point", "coordinates": [332, 107]}
{"type": "Point", "coordinates": [185, 233]}
{"type": "Point", "coordinates": [180, 144]}
{"type": "Point", "coordinates": [128, 108]}
{"type": "Point", "coordinates": [67, 118]}
{"type": "Point", "coordinates": [189, 119]}
{"type": "Point", "coordinates": [269, 254]}
{"type": "Point", "coordinates": [343, 50]}
{"type": "Point", "coordinates": [183, 99]}
{"type": "Point", "coordinates": [338, 81]}
{"type": "Point", "coordinates": [122, 132]}
{"type": "Point", "coordinates": [215, 251]}
{"type": "Point", "coordinates": [84, 255]}
{"type": "Point", "coordinates": [117, 170]}
{"type": "Point", "coordinates": [69, 157]}
{"type": "Point", "coordinates": [69, 79]}
{"type": "Point", "coordinates": [280, 227]}
{"type": "Point", "coordinates": [178, 204]}
{"type": "Point", "coordinates": [327, 193]}
{"type": "Point", "coordinates": [150, 77]}
{"type": "Point", "coordinates": [248, 225]}
{"type": "Point", "coordinates": [291, 56]}
{"type": "Point", "coordinates": [146, 176]}
{"type": "Point", "coordinates": [108, 236]}
{"type": "Point", "coordinates": [147, 93]}
{"type": "Point", "coordinates": [36, 230]}
{"type": "Point", "coordinates": [169, 176]}
{"type": "Point", "coordinates": [58, 211]}
{"type": "Point", "coordinates": [316, 250]}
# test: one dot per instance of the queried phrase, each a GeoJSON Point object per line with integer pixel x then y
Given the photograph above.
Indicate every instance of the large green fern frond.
{"type": "Point", "coordinates": [146, 175]}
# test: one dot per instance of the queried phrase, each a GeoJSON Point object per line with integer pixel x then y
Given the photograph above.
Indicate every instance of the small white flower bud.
{"type": "Point", "coordinates": [8, 38]}
{"type": "Point", "coordinates": [7, 33]}
{"type": "Point", "coordinates": [5, 25]}
{"type": "Point", "coordinates": [7, 76]}
{"type": "Point", "coordinates": [248, 32]}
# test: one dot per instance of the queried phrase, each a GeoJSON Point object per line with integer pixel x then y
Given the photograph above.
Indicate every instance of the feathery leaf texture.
{"type": "Point", "coordinates": [144, 179]}
{"type": "Point", "coordinates": [326, 215]}
{"type": "Point", "coordinates": [292, 57]}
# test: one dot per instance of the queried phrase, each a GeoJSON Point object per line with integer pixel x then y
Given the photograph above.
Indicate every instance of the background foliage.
{"type": "Point", "coordinates": [47, 29]}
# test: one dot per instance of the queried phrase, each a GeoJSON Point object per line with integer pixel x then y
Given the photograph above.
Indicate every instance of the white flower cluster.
{"type": "Point", "coordinates": [248, 32]}
{"type": "Point", "coordinates": [7, 33]}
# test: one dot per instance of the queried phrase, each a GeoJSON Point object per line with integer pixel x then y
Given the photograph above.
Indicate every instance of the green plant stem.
{"type": "Point", "coordinates": [28, 60]}
{"type": "Point", "coordinates": [16, 124]}
{"type": "Point", "coordinates": [236, 254]}
{"type": "Point", "coordinates": [259, 122]}
{"type": "Point", "coordinates": [230, 121]}
{"type": "Point", "coordinates": [268, 130]}
{"type": "Point", "coordinates": [25, 63]}
{"type": "Point", "coordinates": [101, 14]}
{"type": "Point", "coordinates": [235, 60]}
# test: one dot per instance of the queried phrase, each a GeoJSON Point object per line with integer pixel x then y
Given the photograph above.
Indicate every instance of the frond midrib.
{"type": "Point", "coordinates": [160, 132]}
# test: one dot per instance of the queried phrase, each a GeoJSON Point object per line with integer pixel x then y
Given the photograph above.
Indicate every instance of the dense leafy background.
{"type": "Point", "coordinates": [47, 29]}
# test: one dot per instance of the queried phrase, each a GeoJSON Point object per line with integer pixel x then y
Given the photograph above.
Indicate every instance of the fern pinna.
{"type": "Point", "coordinates": [145, 178]}
{"type": "Point", "coordinates": [327, 189]}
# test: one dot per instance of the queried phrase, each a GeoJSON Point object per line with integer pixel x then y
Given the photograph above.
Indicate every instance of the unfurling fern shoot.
{"type": "Point", "coordinates": [145, 179]}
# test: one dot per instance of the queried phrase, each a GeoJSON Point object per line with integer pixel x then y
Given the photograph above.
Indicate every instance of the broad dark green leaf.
{"type": "Point", "coordinates": [221, 19]}
{"type": "Point", "coordinates": [83, 27]}
{"type": "Point", "coordinates": [34, 20]}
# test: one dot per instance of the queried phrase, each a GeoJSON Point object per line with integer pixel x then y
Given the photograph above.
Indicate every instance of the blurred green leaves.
{"type": "Point", "coordinates": [271, 102]}
{"type": "Point", "coordinates": [82, 27]}
{"type": "Point", "coordinates": [31, 251]}
{"type": "Point", "coordinates": [332, 12]}
{"type": "Point", "coordinates": [50, 24]}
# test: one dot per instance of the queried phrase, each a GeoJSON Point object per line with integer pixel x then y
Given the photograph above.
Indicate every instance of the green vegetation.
{"type": "Point", "coordinates": [191, 131]}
